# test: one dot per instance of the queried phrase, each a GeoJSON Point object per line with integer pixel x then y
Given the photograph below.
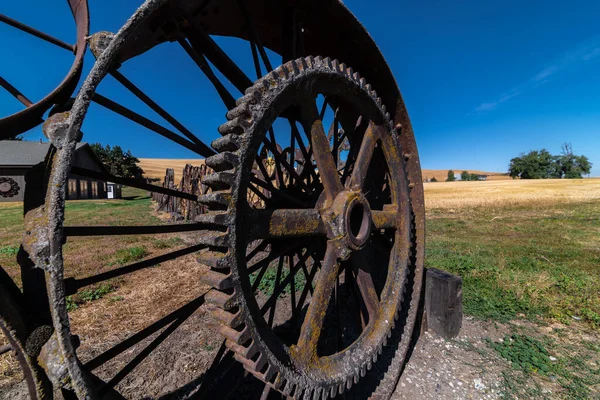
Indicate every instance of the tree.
{"type": "Point", "coordinates": [540, 164]}
{"type": "Point", "coordinates": [466, 176]}
{"type": "Point", "coordinates": [451, 177]}
{"type": "Point", "coordinates": [118, 162]}
{"type": "Point", "coordinates": [433, 179]}
{"type": "Point", "coordinates": [572, 166]}
{"type": "Point", "coordinates": [537, 164]}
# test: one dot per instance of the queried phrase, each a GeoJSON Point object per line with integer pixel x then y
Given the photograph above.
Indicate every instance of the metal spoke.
{"type": "Point", "coordinates": [15, 92]}
{"type": "Point", "coordinates": [276, 292]}
{"type": "Point", "coordinates": [282, 161]}
{"type": "Point", "coordinates": [265, 261]}
{"type": "Point", "coordinates": [254, 38]}
{"type": "Point", "coordinates": [156, 108]}
{"type": "Point", "coordinates": [322, 152]}
{"type": "Point", "coordinates": [39, 34]}
{"type": "Point", "coordinates": [204, 44]}
{"type": "Point", "coordinates": [278, 288]}
{"type": "Point", "coordinates": [308, 287]}
{"type": "Point", "coordinates": [5, 349]}
{"type": "Point", "coordinates": [284, 223]}
{"type": "Point", "coordinates": [306, 349]}
{"type": "Point", "coordinates": [153, 126]}
{"type": "Point", "coordinates": [365, 284]}
{"type": "Point", "coordinates": [201, 62]}
{"type": "Point", "coordinates": [363, 160]}
{"type": "Point", "coordinates": [276, 192]}
{"type": "Point", "coordinates": [384, 219]}
{"type": "Point", "coordinates": [138, 184]}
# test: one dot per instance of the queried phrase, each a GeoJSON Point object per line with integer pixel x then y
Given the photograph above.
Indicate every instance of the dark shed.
{"type": "Point", "coordinates": [18, 157]}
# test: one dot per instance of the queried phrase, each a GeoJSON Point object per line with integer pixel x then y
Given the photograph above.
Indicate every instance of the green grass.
{"type": "Point", "coordinates": [129, 255]}
{"type": "Point", "coordinates": [9, 250]}
{"type": "Point", "coordinates": [89, 295]}
{"type": "Point", "coordinates": [269, 279]}
{"type": "Point", "coordinates": [522, 260]}
{"type": "Point", "coordinates": [574, 371]}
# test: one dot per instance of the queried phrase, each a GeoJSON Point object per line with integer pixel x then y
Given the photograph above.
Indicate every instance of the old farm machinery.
{"type": "Point", "coordinates": [333, 211]}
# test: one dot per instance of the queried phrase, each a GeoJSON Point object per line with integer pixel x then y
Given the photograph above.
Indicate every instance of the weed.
{"type": "Point", "coordinates": [129, 255]}
{"type": "Point", "coordinates": [524, 352]}
{"type": "Point", "coordinates": [269, 280]}
{"type": "Point", "coordinates": [9, 250]}
{"type": "Point", "coordinates": [168, 242]}
{"type": "Point", "coordinates": [89, 295]}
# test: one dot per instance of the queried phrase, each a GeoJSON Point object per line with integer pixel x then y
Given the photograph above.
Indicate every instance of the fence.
{"type": "Point", "coordinates": [191, 182]}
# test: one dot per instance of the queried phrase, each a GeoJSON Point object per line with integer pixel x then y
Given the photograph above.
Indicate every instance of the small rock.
{"type": "Point", "coordinates": [478, 384]}
{"type": "Point", "coordinates": [576, 318]}
{"type": "Point", "coordinates": [552, 358]}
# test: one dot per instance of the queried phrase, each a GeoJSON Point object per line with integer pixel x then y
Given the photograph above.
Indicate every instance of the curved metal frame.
{"type": "Point", "coordinates": [31, 116]}
{"type": "Point", "coordinates": [64, 131]}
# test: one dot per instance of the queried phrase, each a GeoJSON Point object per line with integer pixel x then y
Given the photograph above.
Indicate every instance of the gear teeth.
{"type": "Point", "coordinates": [227, 318]}
{"type": "Point", "coordinates": [357, 377]}
{"type": "Point", "coordinates": [363, 371]}
{"type": "Point", "coordinates": [357, 78]}
{"type": "Point", "coordinates": [216, 200]}
{"type": "Point", "coordinates": [234, 336]}
{"type": "Point", "coordinates": [246, 352]}
{"type": "Point", "coordinates": [213, 259]}
{"type": "Point", "coordinates": [219, 180]}
{"type": "Point", "coordinates": [214, 239]}
{"type": "Point", "coordinates": [227, 143]}
{"type": "Point", "coordinates": [221, 300]}
{"type": "Point", "coordinates": [214, 219]}
{"type": "Point", "coordinates": [223, 161]}
{"type": "Point", "coordinates": [350, 73]}
{"type": "Point", "coordinates": [362, 82]}
{"type": "Point", "coordinates": [217, 280]}
{"type": "Point", "coordinates": [288, 389]}
{"type": "Point", "coordinates": [333, 391]}
{"type": "Point", "coordinates": [250, 365]}
{"type": "Point", "coordinates": [307, 394]}
{"type": "Point", "coordinates": [240, 111]}
{"type": "Point", "coordinates": [329, 63]}
{"type": "Point", "coordinates": [295, 67]}
{"type": "Point", "coordinates": [236, 126]}
{"type": "Point", "coordinates": [311, 61]}
{"type": "Point", "coordinates": [342, 68]}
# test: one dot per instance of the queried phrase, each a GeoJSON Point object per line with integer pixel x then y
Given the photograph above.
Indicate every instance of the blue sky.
{"type": "Point", "coordinates": [483, 81]}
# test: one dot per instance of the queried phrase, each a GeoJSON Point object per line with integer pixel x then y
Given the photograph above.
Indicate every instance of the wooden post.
{"type": "Point", "coordinates": [443, 303]}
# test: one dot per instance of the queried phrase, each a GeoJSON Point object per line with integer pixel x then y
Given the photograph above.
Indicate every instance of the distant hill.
{"type": "Point", "coordinates": [156, 167]}
{"type": "Point", "coordinates": [442, 174]}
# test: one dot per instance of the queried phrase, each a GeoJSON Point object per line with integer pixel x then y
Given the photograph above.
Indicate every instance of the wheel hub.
{"type": "Point", "coordinates": [349, 220]}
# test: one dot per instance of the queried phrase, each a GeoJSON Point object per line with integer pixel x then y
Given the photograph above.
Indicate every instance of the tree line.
{"type": "Point", "coordinates": [540, 164]}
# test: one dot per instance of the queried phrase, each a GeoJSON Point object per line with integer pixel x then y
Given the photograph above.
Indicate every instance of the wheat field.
{"type": "Point", "coordinates": [156, 167]}
{"type": "Point", "coordinates": [502, 193]}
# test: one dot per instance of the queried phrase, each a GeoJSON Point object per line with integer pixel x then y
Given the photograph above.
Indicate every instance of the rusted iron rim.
{"type": "Point", "coordinates": [296, 371]}
{"type": "Point", "coordinates": [66, 134]}
{"type": "Point", "coordinates": [32, 115]}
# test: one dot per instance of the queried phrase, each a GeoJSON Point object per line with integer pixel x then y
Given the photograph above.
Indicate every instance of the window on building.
{"type": "Point", "coordinates": [83, 190]}
{"type": "Point", "coordinates": [94, 190]}
{"type": "Point", "coordinates": [72, 189]}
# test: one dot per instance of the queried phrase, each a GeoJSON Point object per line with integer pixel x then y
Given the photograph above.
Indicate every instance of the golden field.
{"type": "Point", "coordinates": [456, 195]}
{"type": "Point", "coordinates": [156, 167]}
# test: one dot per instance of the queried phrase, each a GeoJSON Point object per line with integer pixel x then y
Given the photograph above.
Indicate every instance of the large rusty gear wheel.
{"type": "Point", "coordinates": [351, 220]}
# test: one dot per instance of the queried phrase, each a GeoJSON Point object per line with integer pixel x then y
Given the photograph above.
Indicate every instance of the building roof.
{"type": "Point", "coordinates": [21, 153]}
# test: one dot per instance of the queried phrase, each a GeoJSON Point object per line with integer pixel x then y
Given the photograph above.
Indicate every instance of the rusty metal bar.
{"type": "Point", "coordinates": [132, 183]}
{"type": "Point", "coordinates": [267, 260]}
{"type": "Point", "coordinates": [111, 353]}
{"type": "Point", "coordinates": [200, 61]}
{"type": "Point", "coordinates": [5, 349]}
{"type": "Point", "coordinates": [156, 108]}
{"type": "Point", "coordinates": [384, 219]}
{"type": "Point", "coordinates": [32, 31]}
{"type": "Point", "coordinates": [286, 223]}
{"type": "Point", "coordinates": [203, 43]}
{"type": "Point", "coordinates": [15, 92]}
{"type": "Point", "coordinates": [203, 150]}
{"type": "Point", "coordinates": [71, 231]}
{"type": "Point", "coordinates": [276, 192]}
{"type": "Point", "coordinates": [322, 153]}
{"type": "Point", "coordinates": [363, 159]}
{"type": "Point", "coordinates": [72, 285]}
